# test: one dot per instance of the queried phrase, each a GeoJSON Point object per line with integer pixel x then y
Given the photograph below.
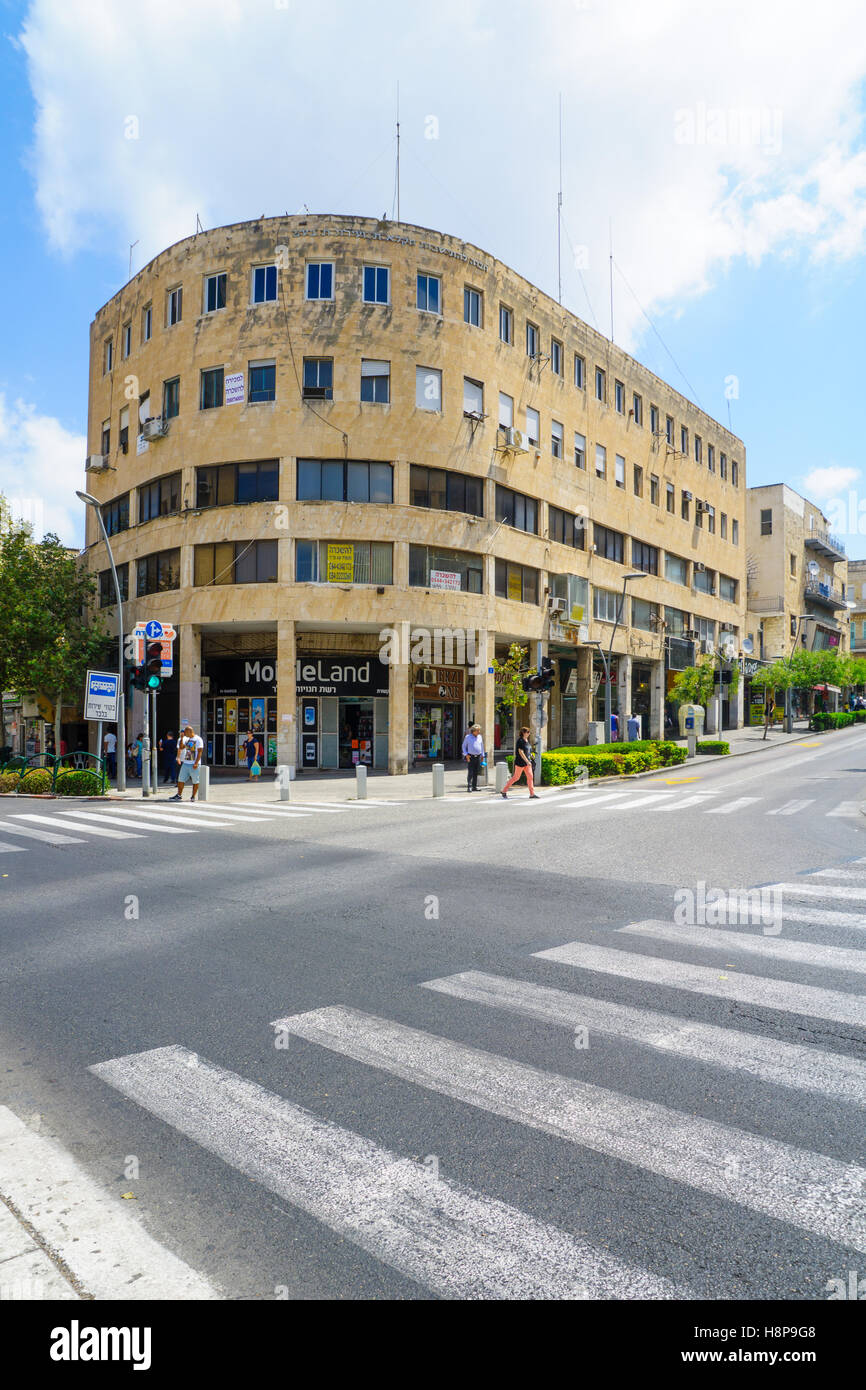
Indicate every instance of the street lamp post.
{"type": "Point", "coordinates": [789, 710]}
{"type": "Point", "coordinates": [607, 694]}
{"type": "Point", "coordinates": [91, 501]}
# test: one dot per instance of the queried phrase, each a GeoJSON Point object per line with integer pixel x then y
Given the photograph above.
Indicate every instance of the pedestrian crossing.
{"type": "Point", "coordinates": [129, 820]}
{"type": "Point", "coordinates": [458, 1241]}
{"type": "Point", "coordinates": [705, 801]}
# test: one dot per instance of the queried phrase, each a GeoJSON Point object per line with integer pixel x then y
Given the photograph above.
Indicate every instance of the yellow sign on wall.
{"type": "Point", "coordinates": [341, 564]}
{"type": "Point", "coordinates": [515, 584]}
{"type": "Point", "coordinates": [231, 716]}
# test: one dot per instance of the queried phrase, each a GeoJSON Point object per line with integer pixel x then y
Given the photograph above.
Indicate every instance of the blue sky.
{"type": "Point", "coordinates": [724, 142]}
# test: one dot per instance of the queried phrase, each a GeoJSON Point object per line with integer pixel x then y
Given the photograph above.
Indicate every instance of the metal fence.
{"type": "Point", "coordinates": [47, 762]}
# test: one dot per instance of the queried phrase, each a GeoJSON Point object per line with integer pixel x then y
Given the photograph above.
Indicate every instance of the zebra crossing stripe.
{"type": "Point", "coordinates": [846, 808]}
{"type": "Point", "coordinates": [820, 917]}
{"type": "Point", "coordinates": [803, 1189]}
{"type": "Point", "coordinates": [172, 818]}
{"type": "Point", "coordinates": [72, 818]}
{"type": "Point", "coordinates": [767, 993]}
{"type": "Point", "coordinates": [87, 829]}
{"type": "Point", "coordinates": [193, 809]}
{"type": "Point", "coordinates": [643, 799]}
{"type": "Point", "coordinates": [12, 849]}
{"type": "Point", "coordinates": [791, 808]}
{"type": "Point", "coordinates": [731, 806]}
{"type": "Point", "coordinates": [754, 943]}
{"type": "Point", "coordinates": [780, 1063]}
{"type": "Point", "coordinates": [801, 889]}
{"type": "Point", "coordinates": [447, 1237]}
{"type": "Point", "coordinates": [697, 799]}
{"type": "Point", "coordinates": [846, 875]}
{"type": "Point", "coordinates": [47, 836]}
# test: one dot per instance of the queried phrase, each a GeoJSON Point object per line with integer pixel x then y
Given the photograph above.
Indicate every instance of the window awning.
{"type": "Point", "coordinates": [828, 689]}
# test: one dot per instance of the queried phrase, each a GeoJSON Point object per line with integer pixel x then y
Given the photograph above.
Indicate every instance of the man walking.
{"type": "Point", "coordinates": [189, 752]}
{"type": "Point", "coordinates": [522, 765]}
{"type": "Point", "coordinates": [473, 752]}
{"type": "Point", "coordinates": [168, 748]}
{"type": "Point", "coordinates": [109, 748]}
{"type": "Point", "coordinates": [633, 728]}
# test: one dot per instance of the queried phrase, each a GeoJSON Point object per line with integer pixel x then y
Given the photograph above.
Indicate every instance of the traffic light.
{"type": "Point", "coordinates": [136, 676]}
{"type": "Point", "coordinates": [544, 678]}
{"type": "Point", "coordinates": [153, 666]}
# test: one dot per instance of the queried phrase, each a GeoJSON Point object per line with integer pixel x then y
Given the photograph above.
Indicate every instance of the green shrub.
{"type": "Point", "coordinates": [35, 780]}
{"type": "Point", "coordinates": [78, 782]}
{"type": "Point", "coordinates": [668, 752]}
{"type": "Point", "coordinates": [8, 781]}
{"type": "Point", "coordinates": [713, 745]}
{"type": "Point", "coordinates": [640, 761]}
{"type": "Point", "coordinates": [859, 716]}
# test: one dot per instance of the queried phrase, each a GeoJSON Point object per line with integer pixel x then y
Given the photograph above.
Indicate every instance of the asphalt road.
{"type": "Point", "coordinates": [563, 1131]}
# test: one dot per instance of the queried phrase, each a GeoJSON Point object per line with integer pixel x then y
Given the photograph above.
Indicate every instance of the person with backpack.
{"type": "Point", "coordinates": [522, 765]}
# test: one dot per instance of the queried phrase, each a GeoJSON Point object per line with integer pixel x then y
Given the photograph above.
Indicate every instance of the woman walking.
{"type": "Point", "coordinates": [522, 764]}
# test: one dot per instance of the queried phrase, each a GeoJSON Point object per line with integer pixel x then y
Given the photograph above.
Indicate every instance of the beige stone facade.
{"type": "Point", "coordinates": [857, 594]}
{"type": "Point", "coordinates": [568, 466]}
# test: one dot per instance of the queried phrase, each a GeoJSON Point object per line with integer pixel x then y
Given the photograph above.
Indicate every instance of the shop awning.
{"type": "Point", "coordinates": [828, 689]}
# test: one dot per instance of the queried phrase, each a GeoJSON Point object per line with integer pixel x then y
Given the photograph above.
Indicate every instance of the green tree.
{"type": "Point", "coordinates": [697, 685]}
{"type": "Point", "coordinates": [508, 675]}
{"type": "Point", "coordinates": [49, 631]}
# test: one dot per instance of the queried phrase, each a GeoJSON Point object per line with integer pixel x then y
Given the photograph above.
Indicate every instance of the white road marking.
{"type": "Point", "coordinates": [821, 917]}
{"type": "Point", "coordinates": [73, 818]}
{"type": "Point", "coordinates": [48, 836]}
{"type": "Point", "coordinates": [193, 809]}
{"type": "Point", "coordinates": [800, 1188]}
{"type": "Point", "coordinates": [847, 875]}
{"type": "Point", "coordinates": [445, 1236]}
{"type": "Point", "coordinates": [801, 889]}
{"type": "Point", "coordinates": [171, 817]}
{"type": "Point", "coordinates": [846, 808]}
{"type": "Point", "coordinates": [12, 849]}
{"type": "Point", "coordinates": [696, 799]}
{"type": "Point", "coordinates": [85, 829]}
{"type": "Point", "coordinates": [780, 1063]}
{"type": "Point", "coordinates": [731, 806]}
{"type": "Point", "coordinates": [107, 1250]}
{"type": "Point", "coordinates": [791, 808]}
{"type": "Point", "coordinates": [702, 979]}
{"type": "Point", "coordinates": [753, 942]}
{"type": "Point", "coordinates": [643, 799]}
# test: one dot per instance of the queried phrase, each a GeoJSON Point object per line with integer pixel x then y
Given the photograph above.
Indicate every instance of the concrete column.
{"type": "Point", "coordinates": [622, 694]}
{"type": "Point", "coordinates": [189, 675]}
{"type": "Point", "coordinates": [287, 703]}
{"type": "Point", "coordinates": [657, 701]}
{"type": "Point", "coordinates": [485, 690]}
{"type": "Point", "coordinates": [399, 703]}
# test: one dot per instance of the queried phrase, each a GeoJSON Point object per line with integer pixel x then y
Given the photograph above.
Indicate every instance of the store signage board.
{"type": "Point", "coordinates": [444, 579]}
{"type": "Point", "coordinates": [447, 684]}
{"type": "Point", "coordinates": [341, 564]}
{"type": "Point", "coordinates": [101, 691]}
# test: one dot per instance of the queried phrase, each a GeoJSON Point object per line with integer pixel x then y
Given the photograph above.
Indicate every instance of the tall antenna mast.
{"type": "Point", "coordinates": [610, 232]}
{"type": "Point", "coordinates": [559, 208]}
{"type": "Point", "coordinates": [398, 151]}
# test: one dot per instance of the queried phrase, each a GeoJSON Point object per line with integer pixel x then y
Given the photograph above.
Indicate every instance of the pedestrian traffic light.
{"type": "Point", "coordinates": [137, 677]}
{"type": "Point", "coordinates": [153, 666]}
{"type": "Point", "coordinates": [543, 679]}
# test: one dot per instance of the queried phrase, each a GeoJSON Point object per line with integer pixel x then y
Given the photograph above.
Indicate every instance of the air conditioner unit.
{"type": "Point", "coordinates": [515, 439]}
{"type": "Point", "coordinates": [97, 463]}
{"type": "Point", "coordinates": [701, 506]}
{"type": "Point", "coordinates": [315, 393]}
{"type": "Point", "coordinates": [556, 605]}
{"type": "Point", "coordinates": [154, 428]}
{"type": "Point", "coordinates": [700, 567]}
{"type": "Point", "coordinates": [708, 648]}
{"type": "Point", "coordinates": [691, 634]}
{"type": "Point", "coordinates": [687, 497]}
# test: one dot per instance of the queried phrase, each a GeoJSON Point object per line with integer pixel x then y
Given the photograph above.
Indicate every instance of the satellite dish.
{"type": "Point", "coordinates": [748, 646]}
{"type": "Point", "coordinates": [144, 410]}
{"type": "Point", "coordinates": [814, 567]}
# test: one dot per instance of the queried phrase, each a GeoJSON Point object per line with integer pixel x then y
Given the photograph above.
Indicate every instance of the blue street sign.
{"type": "Point", "coordinates": [101, 695]}
{"type": "Point", "coordinates": [153, 629]}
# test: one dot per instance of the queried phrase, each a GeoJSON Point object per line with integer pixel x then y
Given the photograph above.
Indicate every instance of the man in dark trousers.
{"type": "Point", "coordinates": [473, 752]}
{"type": "Point", "coordinates": [168, 749]}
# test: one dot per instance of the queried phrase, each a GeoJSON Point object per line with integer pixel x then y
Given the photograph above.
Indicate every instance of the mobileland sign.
{"type": "Point", "coordinates": [321, 675]}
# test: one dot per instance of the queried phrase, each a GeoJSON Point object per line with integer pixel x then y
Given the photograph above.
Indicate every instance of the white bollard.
{"type": "Point", "coordinates": [203, 782]}
{"type": "Point", "coordinates": [284, 777]}
{"type": "Point", "coordinates": [361, 782]}
{"type": "Point", "coordinates": [438, 779]}
{"type": "Point", "coordinates": [501, 775]}
{"type": "Point", "coordinates": [692, 743]}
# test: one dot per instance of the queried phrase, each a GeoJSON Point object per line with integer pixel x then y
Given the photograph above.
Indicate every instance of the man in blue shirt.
{"type": "Point", "coordinates": [633, 728]}
{"type": "Point", "coordinates": [473, 752]}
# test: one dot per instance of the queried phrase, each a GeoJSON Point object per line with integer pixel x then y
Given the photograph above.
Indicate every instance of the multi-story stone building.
{"type": "Point", "coordinates": [856, 593]}
{"type": "Point", "coordinates": [308, 430]}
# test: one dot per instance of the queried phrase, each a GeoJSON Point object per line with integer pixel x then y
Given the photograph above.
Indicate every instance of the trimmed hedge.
{"type": "Point", "coordinates": [8, 781]}
{"type": "Point", "coordinates": [78, 782]}
{"type": "Point", "coordinates": [560, 766]}
{"type": "Point", "coordinates": [825, 719]}
{"type": "Point", "coordinates": [713, 745]}
{"type": "Point", "coordinates": [35, 780]}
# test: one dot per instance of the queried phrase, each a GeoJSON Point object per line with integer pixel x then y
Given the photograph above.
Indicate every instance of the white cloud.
{"type": "Point", "coordinates": [41, 465]}
{"type": "Point", "coordinates": [830, 481]}
{"type": "Point", "coordinates": [705, 133]}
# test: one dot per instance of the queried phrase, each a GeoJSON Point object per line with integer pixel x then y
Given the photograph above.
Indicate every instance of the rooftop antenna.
{"type": "Point", "coordinates": [610, 235]}
{"type": "Point", "coordinates": [398, 151]}
{"type": "Point", "coordinates": [559, 208]}
{"type": "Point", "coordinates": [131, 249]}
{"type": "Point", "coordinates": [198, 226]}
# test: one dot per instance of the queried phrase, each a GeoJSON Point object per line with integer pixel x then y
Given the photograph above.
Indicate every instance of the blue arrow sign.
{"type": "Point", "coordinates": [153, 629]}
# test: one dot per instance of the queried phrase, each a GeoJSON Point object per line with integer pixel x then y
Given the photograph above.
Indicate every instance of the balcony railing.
{"type": "Point", "coordinates": [824, 595]}
{"type": "Point", "coordinates": [755, 604]}
{"type": "Point", "coordinates": [827, 544]}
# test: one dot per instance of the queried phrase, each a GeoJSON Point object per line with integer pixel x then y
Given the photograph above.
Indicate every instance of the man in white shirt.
{"type": "Point", "coordinates": [189, 753]}
{"type": "Point", "coordinates": [109, 748]}
{"type": "Point", "coordinates": [473, 752]}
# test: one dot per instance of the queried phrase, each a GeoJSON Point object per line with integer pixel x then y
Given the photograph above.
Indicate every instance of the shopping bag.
{"type": "Point", "coordinates": [256, 769]}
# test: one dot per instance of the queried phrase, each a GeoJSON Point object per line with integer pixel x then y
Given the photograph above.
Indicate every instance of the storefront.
{"type": "Point", "coordinates": [342, 711]}
{"type": "Point", "coordinates": [641, 694]}
{"type": "Point", "coordinates": [438, 716]}
{"type": "Point", "coordinates": [242, 699]}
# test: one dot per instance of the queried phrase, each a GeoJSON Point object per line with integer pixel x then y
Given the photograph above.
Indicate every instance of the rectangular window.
{"type": "Point", "coordinates": [533, 426]}
{"type": "Point", "coordinates": [472, 306]}
{"type": "Point", "coordinates": [703, 580]}
{"type": "Point", "coordinates": [556, 357]}
{"type": "Point", "coordinates": [670, 498]}
{"type": "Point", "coordinates": [556, 439]}
{"type": "Point", "coordinates": [428, 295]}
{"type": "Point", "coordinates": [518, 582]}
{"type": "Point", "coordinates": [444, 490]}
{"type": "Point", "coordinates": [375, 381]}
{"type": "Point", "coordinates": [684, 506]}
{"type": "Point", "coordinates": [171, 398]}
{"type": "Point", "coordinates": [146, 323]}
{"type": "Point", "coordinates": [605, 604]}
{"type": "Point", "coordinates": [428, 388]}
{"type": "Point", "coordinates": [579, 371]}
{"type": "Point", "coordinates": [723, 525]}
{"type": "Point", "coordinates": [320, 280]}
{"type": "Point", "coordinates": [619, 397]}
{"type": "Point", "coordinates": [645, 557]}
{"type": "Point", "coordinates": [516, 510]}
{"type": "Point", "coordinates": [143, 409]}
{"type": "Point", "coordinates": [214, 292]}
{"type": "Point", "coordinates": [654, 489]}
{"type": "Point", "coordinates": [263, 382]}
{"type": "Point", "coordinates": [236, 562]}
{"type": "Point", "coordinates": [638, 480]}
{"type": "Point", "coordinates": [506, 325]}
{"type": "Point", "coordinates": [699, 449]}
{"type": "Point", "coordinates": [600, 461]}
{"type": "Point", "coordinates": [654, 419]}
{"type": "Point", "coordinates": [433, 568]}
{"type": "Point", "coordinates": [473, 397]}
{"type": "Point", "coordinates": [565, 528]}
{"type": "Point", "coordinates": [637, 409]}
{"type": "Point", "coordinates": [676, 570]}
{"type": "Point", "coordinates": [531, 340]}
{"type": "Point", "coordinates": [579, 450]}
{"type": "Point", "coordinates": [159, 498]}
{"type": "Point", "coordinates": [115, 515]}
{"type": "Point", "coordinates": [600, 385]}
{"type": "Point", "coordinates": [211, 388]}
{"type": "Point", "coordinates": [126, 340]}
{"type": "Point", "coordinates": [174, 310]}
{"type": "Point", "coordinates": [224, 484]}
{"type": "Point", "coordinates": [610, 545]}
{"type": "Point", "coordinates": [723, 466]}
{"type": "Point", "coordinates": [377, 284]}
{"type": "Point", "coordinates": [706, 629]}
{"type": "Point", "coordinates": [108, 356]}
{"type": "Point", "coordinates": [711, 518]}
{"type": "Point", "coordinates": [330, 562]}
{"type": "Point", "coordinates": [124, 429]}
{"type": "Point", "coordinates": [793, 563]}
{"type": "Point", "coordinates": [711, 458]}
{"type": "Point", "coordinates": [318, 379]}
{"type": "Point", "coordinates": [735, 531]}
{"type": "Point", "coordinates": [336, 480]}
{"type": "Point", "coordinates": [684, 441]}
{"type": "Point", "coordinates": [107, 595]}
{"type": "Point", "coordinates": [105, 439]}
{"type": "Point", "coordinates": [506, 411]}
{"type": "Point", "coordinates": [727, 588]}
{"type": "Point", "coordinates": [264, 284]}
{"type": "Point", "coordinates": [735, 473]}
{"type": "Point", "coordinates": [644, 615]}
{"type": "Point", "coordinates": [669, 429]}
{"type": "Point", "coordinates": [767, 521]}
{"type": "Point", "coordinates": [619, 471]}
{"type": "Point", "coordinates": [156, 574]}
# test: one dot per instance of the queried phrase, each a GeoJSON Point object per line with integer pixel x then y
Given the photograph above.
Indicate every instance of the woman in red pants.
{"type": "Point", "coordinates": [522, 764]}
